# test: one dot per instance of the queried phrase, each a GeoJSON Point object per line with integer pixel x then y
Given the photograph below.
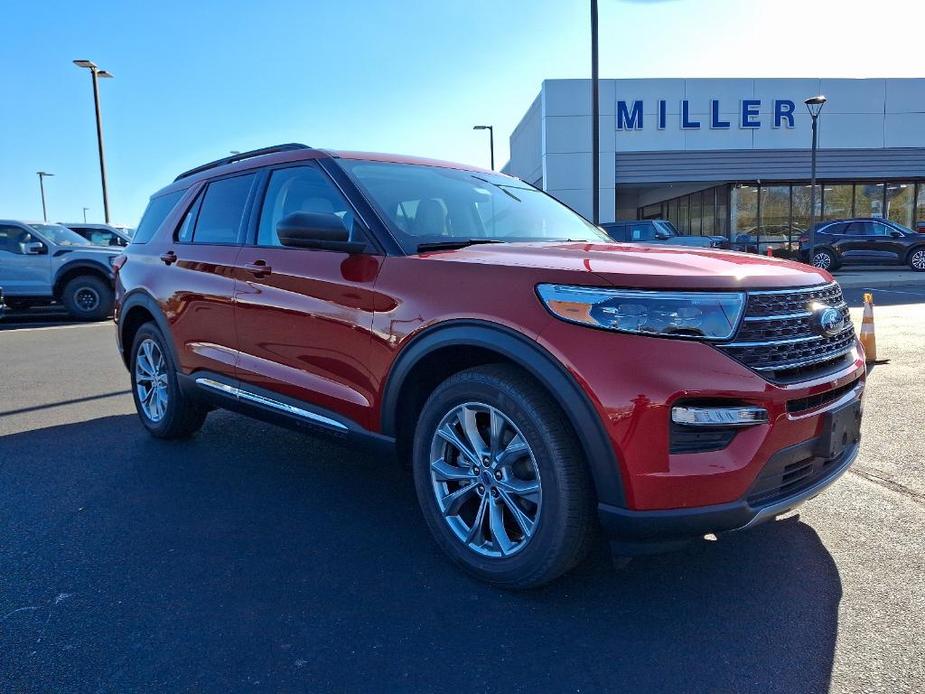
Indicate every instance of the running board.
{"type": "Point", "coordinates": [286, 408]}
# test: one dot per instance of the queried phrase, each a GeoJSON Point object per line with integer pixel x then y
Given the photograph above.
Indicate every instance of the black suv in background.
{"type": "Point", "coordinates": [865, 240]}
{"type": "Point", "coordinates": [659, 231]}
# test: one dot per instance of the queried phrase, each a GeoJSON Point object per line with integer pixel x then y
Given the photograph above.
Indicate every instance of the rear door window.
{"type": "Point", "coordinates": [154, 215]}
{"type": "Point", "coordinates": [221, 213]}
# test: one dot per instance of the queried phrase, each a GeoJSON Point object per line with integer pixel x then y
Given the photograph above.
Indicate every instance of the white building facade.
{"type": "Point", "coordinates": [729, 156]}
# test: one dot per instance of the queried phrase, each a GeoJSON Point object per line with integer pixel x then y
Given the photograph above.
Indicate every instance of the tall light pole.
{"type": "Point", "coordinates": [595, 123]}
{"type": "Point", "coordinates": [491, 140]}
{"type": "Point", "coordinates": [85, 214]}
{"type": "Point", "coordinates": [42, 175]}
{"type": "Point", "coordinates": [95, 75]}
{"type": "Point", "coordinates": [814, 105]}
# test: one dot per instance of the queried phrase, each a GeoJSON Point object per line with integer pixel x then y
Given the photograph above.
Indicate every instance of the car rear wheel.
{"type": "Point", "coordinates": [917, 260]}
{"type": "Point", "coordinates": [88, 298]}
{"type": "Point", "coordinates": [501, 480]}
{"type": "Point", "coordinates": [824, 259]}
{"type": "Point", "coordinates": [163, 409]}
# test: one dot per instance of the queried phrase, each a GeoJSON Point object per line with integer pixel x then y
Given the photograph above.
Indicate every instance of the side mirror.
{"type": "Point", "coordinates": [33, 248]}
{"type": "Point", "coordinates": [662, 235]}
{"type": "Point", "coordinates": [320, 230]}
{"type": "Point", "coordinates": [895, 234]}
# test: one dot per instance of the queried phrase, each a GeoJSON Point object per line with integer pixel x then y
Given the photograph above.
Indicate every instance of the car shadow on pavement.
{"type": "Point", "coordinates": [254, 557]}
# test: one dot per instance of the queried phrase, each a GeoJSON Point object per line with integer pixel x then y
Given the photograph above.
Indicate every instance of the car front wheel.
{"type": "Point", "coordinates": [500, 478]}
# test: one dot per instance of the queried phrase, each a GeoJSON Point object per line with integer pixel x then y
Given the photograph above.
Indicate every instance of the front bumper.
{"type": "Point", "coordinates": [635, 532]}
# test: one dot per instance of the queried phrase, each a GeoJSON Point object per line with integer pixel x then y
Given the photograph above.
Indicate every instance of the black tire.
{"type": "Point", "coordinates": [565, 523]}
{"type": "Point", "coordinates": [88, 298]}
{"type": "Point", "coordinates": [917, 259]}
{"type": "Point", "coordinates": [182, 417]}
{"type": "Point", "coordinates": [829, 263]}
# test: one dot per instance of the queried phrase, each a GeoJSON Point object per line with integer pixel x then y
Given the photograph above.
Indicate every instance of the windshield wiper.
{"type": "Point", "coordinates": [454, 243]}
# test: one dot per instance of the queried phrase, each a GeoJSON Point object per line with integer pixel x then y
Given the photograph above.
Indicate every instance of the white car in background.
{"type": "Point", "coordinates": [100, 234]}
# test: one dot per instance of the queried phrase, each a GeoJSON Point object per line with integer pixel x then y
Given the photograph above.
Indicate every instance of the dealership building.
{"type": "Point", "coordinates": [729, 156]}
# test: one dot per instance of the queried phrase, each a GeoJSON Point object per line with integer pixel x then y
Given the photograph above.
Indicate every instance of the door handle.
{"type": "Point", "coordinates": [169, 258]}
{"type": "Point", "coordinates": [258, 268]}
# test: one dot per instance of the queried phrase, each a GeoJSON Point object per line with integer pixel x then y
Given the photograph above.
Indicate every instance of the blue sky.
{"type": "Point", "coordinates": [194, 80]}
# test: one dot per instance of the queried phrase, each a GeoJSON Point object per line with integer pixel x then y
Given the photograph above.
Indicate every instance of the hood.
{"type": "Point", "coordinates": [641, 266]}
{"type": "Point", "coordinates": [92, 251]}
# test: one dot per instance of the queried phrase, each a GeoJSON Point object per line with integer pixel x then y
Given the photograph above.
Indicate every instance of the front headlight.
{"type": "Point", "coordinates": [702, 315]}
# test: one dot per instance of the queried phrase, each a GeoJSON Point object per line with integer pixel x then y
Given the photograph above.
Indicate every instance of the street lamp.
{"type": "Point", "coordinates": [85, 214]}
{"type": "Point", "coordinates": [814, 106]}
{"type": "Point", "coordinates": [595, 123]}
{"type": "Point", "coordinates": [95, 75]}
{"type": "Point", "coordinates": [42, 175]}
{"type": "Point", "coordinates": [491, 141]}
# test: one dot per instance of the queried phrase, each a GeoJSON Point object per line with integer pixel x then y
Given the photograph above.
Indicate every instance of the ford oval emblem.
{"type": "Point", "coordinates": [830, 321]}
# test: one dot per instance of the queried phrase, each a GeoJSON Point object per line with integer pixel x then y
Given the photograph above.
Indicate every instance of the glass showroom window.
{"type": "Point", "coordinates": [920, 205]}
{"type": "Point", "coordinates": [838, 201]}
{"type": "Point", "coordinates": [868, 200]}
{"type": "Point", "coordinates": [775, 211]}
{"type": "Point", "coordinates": [744, 210]}
{"type": "Point", "coordinates": [709, 205]}
{"type": "Point", "coordinates": [696, 214]}
{"type": "Point", "coordinates": [683, 218]}
{"type": "Point", "coordinates": [800, 219]}
{"type": "Point", "coordinates": [722, 211]}
{"type": "Point", "coordinates": [899, 202]}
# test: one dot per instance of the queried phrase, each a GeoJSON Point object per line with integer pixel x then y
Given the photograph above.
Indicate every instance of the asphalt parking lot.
{"type": "Point", "coordinates": [256, 558]}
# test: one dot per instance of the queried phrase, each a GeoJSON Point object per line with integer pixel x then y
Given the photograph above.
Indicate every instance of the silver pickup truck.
{"type": "Point", "coordinates": [41, 263]}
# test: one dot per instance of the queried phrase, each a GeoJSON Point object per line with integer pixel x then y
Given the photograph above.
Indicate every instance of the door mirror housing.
{"type": "Point", "coordinates": [895, 234]}
{"type": "Point", "coordinates": [662, 235]}
{"type": "Point", "coordinates": [320, 230]}
{"type": "Point", "coordinates": [33, 248]}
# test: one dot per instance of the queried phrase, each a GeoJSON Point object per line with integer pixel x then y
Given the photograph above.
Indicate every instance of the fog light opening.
{"type": "Point", "coordinates": [736, 416]}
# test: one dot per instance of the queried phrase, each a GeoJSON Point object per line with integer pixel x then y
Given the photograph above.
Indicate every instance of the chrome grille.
{"type": "Point", "coordinates": [778, 338]}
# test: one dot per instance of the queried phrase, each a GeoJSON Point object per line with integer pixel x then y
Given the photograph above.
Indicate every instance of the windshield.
{"type": "Point", "coordinates": [430, 204]}
{"type": "Point", "coordinates": [667, 228]}
{"type": "Point", "coordinates": [60, 236]}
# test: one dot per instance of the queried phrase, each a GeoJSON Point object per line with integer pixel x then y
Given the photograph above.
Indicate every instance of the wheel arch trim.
{"type": "Point", "coordinates": [139, 298]}
{"type": "Point", "coordinates": [75, 268]}
{"type": "Point", "coordinates": [535, 360]}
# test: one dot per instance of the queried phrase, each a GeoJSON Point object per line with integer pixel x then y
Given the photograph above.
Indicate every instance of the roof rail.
{"type": "Point", "coordinates": [243, 155]}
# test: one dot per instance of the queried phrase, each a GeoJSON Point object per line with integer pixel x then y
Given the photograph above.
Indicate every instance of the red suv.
{"type": "Point", "coordinates": [542, 380]}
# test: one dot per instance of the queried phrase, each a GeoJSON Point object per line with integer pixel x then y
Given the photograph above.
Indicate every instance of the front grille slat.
{"type": "Point", "coordinates": [777, 336]}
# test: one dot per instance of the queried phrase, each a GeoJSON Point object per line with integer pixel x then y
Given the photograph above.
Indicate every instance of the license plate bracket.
{"type": "Point", "coordinates": [842, 429]}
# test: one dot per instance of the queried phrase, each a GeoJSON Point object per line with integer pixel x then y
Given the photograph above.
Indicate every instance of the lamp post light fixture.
{"type": "Point", "coordinates": [814, 105]}
{"type": "Point", "coordinates": [491, 140]}
{"type": "Point", "coordinates": [42, 175]}
{"type": "Point", "coordinates": [95, 75]}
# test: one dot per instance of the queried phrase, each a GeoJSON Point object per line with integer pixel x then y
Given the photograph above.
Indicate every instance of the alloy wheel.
{"type": "Point", "coordinates": [822, 260]}
{"type": "Point", "coordinates": [918, 260]}
{"type": "Point", "coordinates": [151, 380]}
{"type": "Point", "coordinates": [485, 480]}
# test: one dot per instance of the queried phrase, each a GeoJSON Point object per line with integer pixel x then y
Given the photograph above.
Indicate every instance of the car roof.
{"type": "Point", "coordinates": [293, 154]}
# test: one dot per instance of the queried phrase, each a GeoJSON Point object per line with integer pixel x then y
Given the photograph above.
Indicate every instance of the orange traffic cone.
{"type": "Point", "coordinates": [868, 338]}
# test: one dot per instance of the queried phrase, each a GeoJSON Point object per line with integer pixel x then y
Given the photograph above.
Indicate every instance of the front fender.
{"type": "Point", "coordinates": [539, 363]}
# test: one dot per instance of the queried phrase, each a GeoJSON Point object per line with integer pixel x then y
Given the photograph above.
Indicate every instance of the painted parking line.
{"type": "Point", "coordinates": [13, 329]}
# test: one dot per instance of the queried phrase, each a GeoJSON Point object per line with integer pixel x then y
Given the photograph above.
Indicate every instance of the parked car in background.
{"type": "Point", "coordinates": [100, 234]}
{"type": "Point", "coordinates": [920, 226]}
{"type": "Point", "coordinates": [777, 238]}
{"type": "Point", "coordinates": [658, 231]}
{"type": "Point", "coordinates": [865, 241]}
{"type": "Point", "coordinates": [41, 263]}
{"type": "Point", "coordinates": [541, 380]}
{"type": "Point", "coordinates": [2, 304]}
